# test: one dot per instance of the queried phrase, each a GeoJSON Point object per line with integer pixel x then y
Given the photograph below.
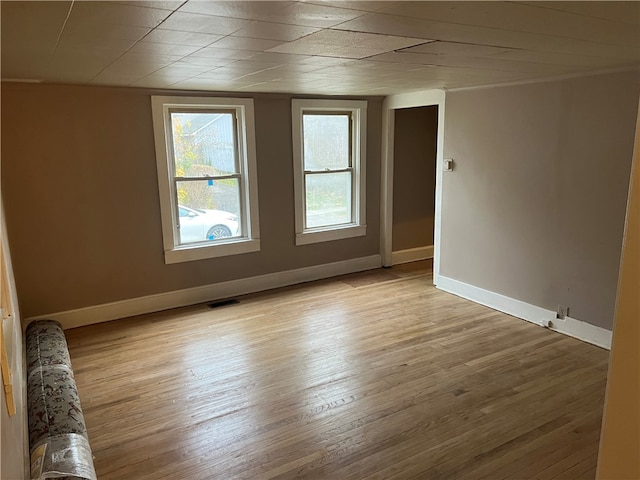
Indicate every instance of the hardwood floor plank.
{"type": "Point", "coordinates": [370, 375]}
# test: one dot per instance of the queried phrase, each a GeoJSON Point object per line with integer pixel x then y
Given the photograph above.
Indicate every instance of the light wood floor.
{"type": "Point", "coordinates": [368, 376]}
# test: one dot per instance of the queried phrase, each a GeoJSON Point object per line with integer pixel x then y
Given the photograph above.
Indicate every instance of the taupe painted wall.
{"type": "Point", "coordinates": [80, 189]}
{"type": "Point", "coordinates": [414, 177]}
{"type": "Point", "coordinates": [620, 439]}
{"type": "Point", "coordinates": [535, 208]}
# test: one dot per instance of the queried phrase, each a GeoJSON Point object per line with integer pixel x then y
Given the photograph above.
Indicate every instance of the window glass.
{"type": "Point", "coordinates": [326, 141]}
{"type": "Point", "coordinates": [203, 144]}
{"type": "Point", "coordinates": [328, 199]}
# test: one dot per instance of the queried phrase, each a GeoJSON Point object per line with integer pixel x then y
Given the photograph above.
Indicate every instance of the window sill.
{"type": "Point", "coordinates": [329, 234]}
{"type": "Point", "coordinates": [202, 252]}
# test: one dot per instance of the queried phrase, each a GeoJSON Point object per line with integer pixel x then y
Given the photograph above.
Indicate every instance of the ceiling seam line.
{"type": "Point", "coordinates": [64, 24]}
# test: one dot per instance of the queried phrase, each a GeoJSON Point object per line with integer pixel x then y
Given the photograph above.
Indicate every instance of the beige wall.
{"type": "Point", "coordinates": [535, 208]}
{"type": "Point", "coordinates": [414, 176]}
{"type": "Point", "coordinates": [81, 198]}
{"type": "Point", "coordinates": [620, 440]}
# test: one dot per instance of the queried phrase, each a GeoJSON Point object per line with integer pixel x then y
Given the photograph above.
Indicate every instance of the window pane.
{"type": "Point", "coordinates": [208, 210]}
{"type": "Point", "coordinates": [326, 141]}
{"type": "Point", "coordinates": [203, 144]}
{"type": "Point", "coordinates": [328, 199]}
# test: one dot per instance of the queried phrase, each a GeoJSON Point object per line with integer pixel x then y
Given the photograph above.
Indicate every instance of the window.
{"type": "Point", "coordinates": [329, 138]}
{"type": "Point", "coordinates": [205, 150]}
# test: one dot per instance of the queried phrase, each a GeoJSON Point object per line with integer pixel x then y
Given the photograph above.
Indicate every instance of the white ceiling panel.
{"type": "Point", "coordinates": [514, 54]}
{"type": "Point", "coordinates": [175, 37]}
{"type": "Point", "coordinates": [211, 62]}
{"type": "Point", "coordinates": [193, 22]}
{"type": "Point", "coordinates": [344, 44]}
{"type": "Point", "coordinates": [625, 12]}
{"type": "Point", "coordinates": [364, 5]}
{"type": "Point", "coordinates": [101, 13]}
{"type": "Point", "coordinates": [482, 35]}
{"type": "Point", "coordinates": [244, 43]}
{"type": "Point", "coordinates": [314, 46]}
{"type": "Point", "coordinates": [213, 52]}
{"type": "Point", "coordinates": [151, 49]}
{"type": "Point", "coordinates": [459, 49]}
{"type": "Point", "coordinates": [275, 31]}
{"type": "Point", "coordinates": [162, 4]}
{"type": "Point", "coordinates": [514, 17]}
{"type": "Point", "coordinates": [310, 15]}
{"type": "Point", "coordinates": [33, 24]}
{"type": "Point", "coordinates": [249, 10]}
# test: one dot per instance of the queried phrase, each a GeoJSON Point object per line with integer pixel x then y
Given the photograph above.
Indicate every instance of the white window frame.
{"type": "Point", "coordinates": [161, 107]}
{"type": "Point", "coordinates": [358, 114]}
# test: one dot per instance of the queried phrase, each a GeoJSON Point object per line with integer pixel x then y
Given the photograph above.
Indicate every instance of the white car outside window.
{"type": "Point", "coordinates": [205, 225]}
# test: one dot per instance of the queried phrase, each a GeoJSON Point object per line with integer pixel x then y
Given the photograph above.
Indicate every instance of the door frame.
{"type": "Point", "coordinates": [424, 98]}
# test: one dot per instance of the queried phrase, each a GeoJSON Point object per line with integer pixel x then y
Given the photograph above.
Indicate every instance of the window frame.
{"type": "Point", "coordinates": [357, 111]}
{"type": "Point", "coordinates": [242, 108]}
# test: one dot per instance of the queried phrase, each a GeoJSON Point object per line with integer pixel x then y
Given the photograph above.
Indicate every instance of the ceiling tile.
{"type": "Point", "coordinates": [513, 17]}
{"type": "Point", "coordinates": [175, 37]}
{"type": "Point", "coordinates": [310, 15]}
{"type": "Point", "coordinates": [243, 43]}
{"type": "Point", "coordinates": [212, 52]}
{"type": "Point", "coordinates": [367, 6]}
{"type": "Point", "coordinates": [92, 13]}
{"type": "Point", "coordinates": [625, 12]}
{"type": "Point", "coordinates": [182, 69]}
{"type": "Point", "coordinates": [36, 24]}
{"type": "Point", "coordinates": [99, 34]}
{"type": "Point", "coordinates": [81, 53]}
{"type": "Point", "coordinates": [193, 22]}
{"type": "Point", "coordinates": [157, 58]}
{"type": "Point", "coordinates": [280, 58]}
{"type": "Point", "coordinates": [159, 49]}
{"type": "Point", "coordinates": [343, 44]}
{"type": "Point", "coordinates": [275, 31]}
{"type": "Point", "coordinates": [249, 10]}
{"type": "Point", "coordinates": [418, 28]}
{"type": "Point", "coordinates": [551, 58]}
{"type": "Point", "coordinates": [205, 61]}
{"type": "Point", "coordinates": [460, 49]}
{"type": "Point", "coordinates": [490, 63]}
{"type": "Point", "coordinates": [162, 4]}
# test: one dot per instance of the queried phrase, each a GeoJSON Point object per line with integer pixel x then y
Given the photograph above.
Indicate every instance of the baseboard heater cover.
{"type": "Point", "coordinates": [58, 440]}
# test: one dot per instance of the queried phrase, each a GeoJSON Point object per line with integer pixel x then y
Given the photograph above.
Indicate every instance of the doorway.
{"type": "Point", "coordinates": [414, 183]}
{"type": "Point", "coordinates": [427, 98]}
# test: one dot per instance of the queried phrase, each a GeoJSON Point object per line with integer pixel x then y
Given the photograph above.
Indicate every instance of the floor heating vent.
{"type": "Point", "coordinates": [223, 303]}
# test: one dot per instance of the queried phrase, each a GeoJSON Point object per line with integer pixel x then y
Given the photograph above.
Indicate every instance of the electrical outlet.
{"type": "Point", "coordinates": [562, 312]}
{"type": "Point", "coordinates": [448, 165]}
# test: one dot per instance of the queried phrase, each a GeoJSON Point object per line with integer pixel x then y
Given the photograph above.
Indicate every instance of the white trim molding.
{"type": "Point", "coordinates": [572, 327]}
{"type": "Point", "coordinates": [245, 174]}
{"type": "Point", "coordinates": [391, 103]}
{"type": "Point", "coordinates": [207, 293]}
{"type": "Point", "coordinates": [356, 111]}
{"type": "Point", "coordinates": [411, 255]}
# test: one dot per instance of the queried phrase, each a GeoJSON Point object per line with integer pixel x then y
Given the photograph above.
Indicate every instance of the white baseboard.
{"type": "Point", "coordinates": [531, 313]}
{"type": "Point", "coordinates": [411, 255]}
{"type": "Point", "coordinates": [206, 293]}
